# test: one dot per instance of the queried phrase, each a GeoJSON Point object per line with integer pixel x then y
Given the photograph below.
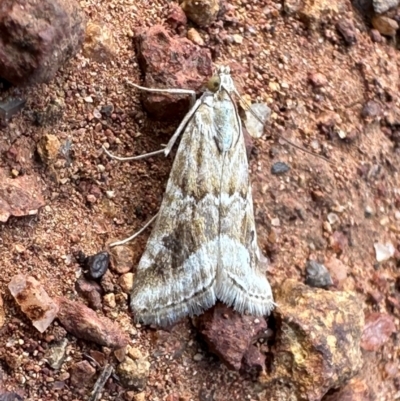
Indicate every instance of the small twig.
{"type": "Point", "coordinates": [98, 366]}
{"type": "Point", "coordinates": [100, 382]}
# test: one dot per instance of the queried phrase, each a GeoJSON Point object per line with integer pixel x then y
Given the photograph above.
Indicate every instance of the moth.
{"type": "Point", "coordinates": [203, 246]}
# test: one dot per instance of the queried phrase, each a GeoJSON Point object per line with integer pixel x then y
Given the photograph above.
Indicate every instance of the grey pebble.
{"type": "Point", "coordinates": [107, 109]}
{"type": "Point", "coordinates": [381, 6]}
{"type": "Point", "coordinates": [279, 168]}
{"type": "Point", "coordinates": [317, 275]}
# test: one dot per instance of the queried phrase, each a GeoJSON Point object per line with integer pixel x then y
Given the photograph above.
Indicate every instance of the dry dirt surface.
{"type": "Point", "coordinates": [334, 95]}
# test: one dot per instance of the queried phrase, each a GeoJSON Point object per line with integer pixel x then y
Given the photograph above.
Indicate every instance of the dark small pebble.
{"type": "Point", "coordinates": [95, 266]}
{"type": "Point", "coordinates": [107, 110]}
{"type": "Point", "coordinates": [81, 258]}
{"type": "Point", "coordinates": [279, 168]}
{"type": "Point", "coordinates": [317, 275]}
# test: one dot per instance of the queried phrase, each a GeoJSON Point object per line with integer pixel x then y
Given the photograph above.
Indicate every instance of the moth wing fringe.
{"type": "Point", "coordinates": [169, 315]}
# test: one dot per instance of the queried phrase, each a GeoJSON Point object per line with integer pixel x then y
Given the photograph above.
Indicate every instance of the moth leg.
{"type": "Point", "coordinates": [190, 92]}
{"type": "Point", "coordinates": [182, 125]}
{"type": "Point", "coordinates": [144, 156]}
{"type": "Point", "coordinates": [133, 236]}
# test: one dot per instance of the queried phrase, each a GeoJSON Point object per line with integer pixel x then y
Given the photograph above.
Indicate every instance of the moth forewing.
{"type": "Point", "coordinates": [176, 274]}
{"type": "Point", "coordinates": [203, 246]}
{"type": "Point", "coordinates": [240, 282]}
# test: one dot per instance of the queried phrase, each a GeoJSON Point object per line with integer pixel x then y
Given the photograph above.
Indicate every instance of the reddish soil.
{"type": "Point", "coordinates": [274, 63]}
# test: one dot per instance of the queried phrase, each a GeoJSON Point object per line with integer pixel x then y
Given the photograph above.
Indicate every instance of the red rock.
{"type": "Point", "coordinates": [376, 36]}
{"type": "Point", "coordinates": [81, 374]}
{"type": "Point", "coordinates": [346, 28]}
{"type": "Point", "coordinates": [107, 282]}
{"type": "Point", "coordinates": [170, 63]}
{"type": "Point", "coordinates": [229, 334]}
{"type": "Point", "coordinates": [317, 79]}
{"type": "Point", "coordinates": [253, 360]}
{"type": "Point", "coordinates": [83, 322]}
{"type": "Point", "coordinates": [122, 258]}
{"type": "Point", "coordinates": [176, 16]}
{"type": "Point", "coordinates": [19, 196]}
{"type": "Point", "coordinates": [98, 356]}
{"type": "Point", "coordinates": [377, 330]}
{"type": "Point", "coordinates": [91, 291]}
{"type": "Point", "coordinates": [338, 242]}
{"type": "Point", "coordinates": [51, 31]}
{"type": "Point", "coordinates": [338, 271]}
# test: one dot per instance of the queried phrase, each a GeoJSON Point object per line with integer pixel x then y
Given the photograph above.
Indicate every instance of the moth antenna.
{"type": "Point", "coordinates": [306, 151]}
{"type": "Point", "coordinates": [123, 159]}
{"type": "Point", "coordinates": [133, 236]}
{"type": "Point", "coordinates": [248, 108]}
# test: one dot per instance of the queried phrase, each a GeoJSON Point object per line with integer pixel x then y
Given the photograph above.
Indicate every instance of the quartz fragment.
{"type": "Point", "coordinates": [383, 251]}
{"type": "Point", "coordinates": [279, 168]}
{"type": "Point", "coordinates": [10, 107]}
{"type": "Point", "coordinates": [256, 116]}
{"type": "Point", "coordinates": [33, 300]}
{"type": "Point", "coordinates": [317, 275]}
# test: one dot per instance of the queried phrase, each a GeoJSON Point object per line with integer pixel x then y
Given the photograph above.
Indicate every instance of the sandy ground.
{"type": "Point", "coordinates": [273, 64]}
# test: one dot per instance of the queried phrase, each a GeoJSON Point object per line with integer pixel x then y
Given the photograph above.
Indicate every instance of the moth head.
{"type": "Point", "coordinates": [223, 69]}
{"type": "Point", "coordinates": [214, 83]}
{"type": "Point", "coordinates": [221, 79]}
